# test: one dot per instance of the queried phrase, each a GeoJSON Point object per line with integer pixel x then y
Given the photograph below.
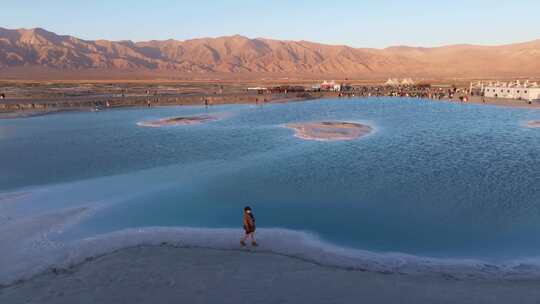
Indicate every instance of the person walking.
{"type": "Point", "coordinates": [249, 227]}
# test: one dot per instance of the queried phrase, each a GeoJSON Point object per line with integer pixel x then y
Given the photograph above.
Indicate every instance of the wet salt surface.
{"type": "Point", "coordinates": [35, 249]}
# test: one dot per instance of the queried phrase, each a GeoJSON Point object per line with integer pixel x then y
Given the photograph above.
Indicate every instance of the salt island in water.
{"type": "Point", "coordinates": [329, 131]}
{"type": "Point", "coordinates": [533, 124]}
{"type": "Point", "coordinates": [177, 121]}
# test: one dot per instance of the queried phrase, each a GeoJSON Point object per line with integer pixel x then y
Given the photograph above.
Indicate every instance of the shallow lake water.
{"type": "Point", "coordinates": [432, 179]}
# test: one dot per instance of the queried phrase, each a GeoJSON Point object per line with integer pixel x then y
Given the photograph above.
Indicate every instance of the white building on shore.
{"type": "Point", "coordinates": [526, 90]}
{"type": "Point", "coordinates": [330, 86]}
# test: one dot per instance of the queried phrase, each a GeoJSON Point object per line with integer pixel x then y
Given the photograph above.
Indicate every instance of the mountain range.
{"type": "Point", "coordinates": [23, 50]}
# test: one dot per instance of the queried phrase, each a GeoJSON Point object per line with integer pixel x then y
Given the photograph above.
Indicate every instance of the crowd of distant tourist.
{"type": "Point", "coordinates": [414, 91]}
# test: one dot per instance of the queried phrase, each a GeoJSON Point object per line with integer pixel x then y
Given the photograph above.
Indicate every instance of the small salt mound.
{"type": "Point", "coordinates": [329, 131]}
{"type": "Point", "coordinates": [177, 121]}
{"type": "Point", "coordinates": [533, 124]}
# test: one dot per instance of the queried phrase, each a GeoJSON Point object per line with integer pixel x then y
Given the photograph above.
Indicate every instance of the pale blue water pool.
{"type": "Point", "coordinates": [433, 179]}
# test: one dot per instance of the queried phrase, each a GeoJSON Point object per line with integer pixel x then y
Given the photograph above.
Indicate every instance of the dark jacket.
{"type": "Point", "coordinates": [249, 222]}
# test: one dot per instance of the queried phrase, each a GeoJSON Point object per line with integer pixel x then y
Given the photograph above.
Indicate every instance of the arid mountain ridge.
{"type": "Point", "coordinates": [24, 49]}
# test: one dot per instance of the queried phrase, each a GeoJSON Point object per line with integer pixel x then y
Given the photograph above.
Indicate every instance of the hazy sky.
{"type": "Point", "coordinates": [359, 23]}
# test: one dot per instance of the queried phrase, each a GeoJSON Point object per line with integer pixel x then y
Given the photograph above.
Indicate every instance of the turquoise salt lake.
{"type": "Point", "coordinates": [433, 179]}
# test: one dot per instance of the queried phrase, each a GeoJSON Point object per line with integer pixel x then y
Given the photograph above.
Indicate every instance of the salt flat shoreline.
{"type": "Point", "coordinates": [28, 111]}
{"type": "Point", "coordinates": [255, 99]}
{"type": "Point", "coordinates": [163, 274]}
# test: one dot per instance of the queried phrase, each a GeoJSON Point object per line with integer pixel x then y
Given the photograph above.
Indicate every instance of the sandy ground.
{"type": "Point", "coordinates": [178, 275]}
{"type": "Point", "coordinates": [329, 131]}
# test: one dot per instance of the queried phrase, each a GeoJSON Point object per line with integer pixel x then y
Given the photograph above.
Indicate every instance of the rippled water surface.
{"type": "Point", "coordinates": [436, 179]}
